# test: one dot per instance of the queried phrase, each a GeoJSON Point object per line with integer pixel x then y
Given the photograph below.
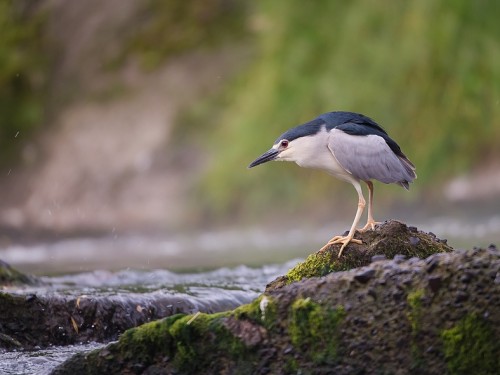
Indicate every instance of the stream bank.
{"type": "Point", "coordinates": [402, 314]}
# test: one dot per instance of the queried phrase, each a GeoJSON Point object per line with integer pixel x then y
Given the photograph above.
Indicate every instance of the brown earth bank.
{"type": "Point", "coordinates": [435, 315]}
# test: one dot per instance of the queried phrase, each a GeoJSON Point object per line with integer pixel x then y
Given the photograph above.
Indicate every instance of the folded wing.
{"type": "Point", "coordinates": [369, 157]}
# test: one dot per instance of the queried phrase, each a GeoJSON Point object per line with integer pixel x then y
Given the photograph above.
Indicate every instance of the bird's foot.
{"type": "Point", "coordinates": [344, 240]}
{"type": "Point", "coordinates": [370, 224]}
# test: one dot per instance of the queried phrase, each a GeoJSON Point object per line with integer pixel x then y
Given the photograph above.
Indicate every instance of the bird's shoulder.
{"type": "Point", "coordinates": [357, 124]}
{"type": "Point", "coordinates": [351, 123]}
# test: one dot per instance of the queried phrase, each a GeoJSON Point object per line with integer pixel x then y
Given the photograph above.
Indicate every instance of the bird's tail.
{"type": "Point", "coordinates": [409, 169]}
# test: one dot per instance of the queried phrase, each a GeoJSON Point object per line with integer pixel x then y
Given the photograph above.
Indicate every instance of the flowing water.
{"type": "Point", "coordinates": [219, 289]}
{"type": "Point", "coordinates": [205, 269]}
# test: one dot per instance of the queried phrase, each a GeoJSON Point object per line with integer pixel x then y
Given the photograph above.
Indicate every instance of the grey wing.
{"type": "Point", "coordinates": [369, 157]}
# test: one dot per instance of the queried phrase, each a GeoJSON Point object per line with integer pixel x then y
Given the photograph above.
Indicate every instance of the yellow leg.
{"type": "Point", "coordinates": [370, 223]}
{"type": "Point", "coordinates": [344, 240]}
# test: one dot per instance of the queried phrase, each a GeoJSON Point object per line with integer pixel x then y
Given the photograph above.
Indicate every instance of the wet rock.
{"type": "Point", "coordinates": [335, 324]}
{"type": "Point", "coordinates": [56, 319]}
{"type": "Point", "coordinates": [432, 263]}
{"type": "Point", "coordinates": [435, 283]}
{"type": "Point", "coordinates": [250, 334]}
{"type": "Point", "coordinates": [9, 342]}
{"type": "Point", "coordinates": [377, 258]}
{"type": "Point", "coordinates": [461, 297]}
{"type": "Point", "coordinates": [414, 241]}
{"type": "Point", "coordinates": [398, 258]}
{"type": "Point", "coordinates": [466, 278]}
{"type": "Point", "coordinates": [388, 240]}
{"type": "Point", "coordinates": [10, 276]}
{"type": "Point", "coordinates": [364, 276]}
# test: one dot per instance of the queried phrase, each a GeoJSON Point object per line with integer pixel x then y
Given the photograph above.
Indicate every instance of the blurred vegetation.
{"type": "Point", "coordinates": [23, 76]}
{"type": "Point", "coordinates": [426, 70]}
{"type": "Point", "coordinates": [170, 27]}
{"type": "Point", "coordinates": [161, 29]}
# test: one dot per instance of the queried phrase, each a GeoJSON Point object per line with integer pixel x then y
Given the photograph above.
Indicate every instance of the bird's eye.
{"type": "Point", "coordinates": [284, 143]}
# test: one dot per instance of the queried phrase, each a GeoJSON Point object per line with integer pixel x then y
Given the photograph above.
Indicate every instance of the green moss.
{"type": "Point", "coordinates": [317, 264]}
{"type": "Point", "coordinates": [322, 263]}
{"type": "Point", "coordinates": [291, 366]}
{"type": "Point", "coordinates": [414, 300]}
{"type": "Point", "coordinates": [414, 315]}
{"type": "Point", "coordinates": [183, 338]}
{"type": "Point", "coordinates": [263, 311]}
{"type": "Point", "coordinates": [471, 347]}
{"type": "Point", "coordinates": [313, 330]}
{"type": "Point", "coordinates": [148, 339]}
{"type": "Point", "coordinates": [190, 341]}
{"type": "Point", "coordinates": [389, 239]}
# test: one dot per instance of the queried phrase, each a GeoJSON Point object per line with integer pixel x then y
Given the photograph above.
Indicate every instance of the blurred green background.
{"type": "Point", "coordinates": [428, 71]}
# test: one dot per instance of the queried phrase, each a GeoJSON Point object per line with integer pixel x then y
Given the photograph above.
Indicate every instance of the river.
{"type": "Point", "coordinates": [224, 268]}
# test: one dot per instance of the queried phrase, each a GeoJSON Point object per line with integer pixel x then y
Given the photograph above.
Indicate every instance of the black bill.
{"type": "Point", "coordinates": [265, 157]}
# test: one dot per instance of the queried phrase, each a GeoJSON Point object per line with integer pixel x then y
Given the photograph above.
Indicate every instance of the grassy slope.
{"type": "Point", "coordinates": [427, 71]}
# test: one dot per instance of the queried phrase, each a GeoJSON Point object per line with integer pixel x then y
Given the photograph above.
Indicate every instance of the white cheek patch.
{"type": "Point", "coordinates": [279, 156]}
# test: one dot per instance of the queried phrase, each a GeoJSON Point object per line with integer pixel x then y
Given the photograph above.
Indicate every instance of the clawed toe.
{"type": "Point", "coordinates": [369, 226]}
{"type": "Point", "coordinates": [344, 240]}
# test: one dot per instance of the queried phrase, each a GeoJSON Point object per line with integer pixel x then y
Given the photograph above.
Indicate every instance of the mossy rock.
{"type": "Point", "coordinates": [388, 240]}
{"type": "Point", "coordinates": [46, 318]}
{"type": "Point", "coordinates": [10, 276]}
{"type": "Point", "coordinates": [413, 316]}
{"type": "Point", "coordinates": [471, 347]}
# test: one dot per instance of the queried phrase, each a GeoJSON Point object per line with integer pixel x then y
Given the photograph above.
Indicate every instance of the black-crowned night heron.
{"type": "Point", "coordinates": [351, 147]}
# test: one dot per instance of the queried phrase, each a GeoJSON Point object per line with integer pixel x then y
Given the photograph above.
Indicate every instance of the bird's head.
{"type": "Point", "coordinates": [281, 150]}
{"type": "Point", "coordinates": [295, 144]}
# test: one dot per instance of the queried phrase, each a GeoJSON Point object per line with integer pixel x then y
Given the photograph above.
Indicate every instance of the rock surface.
{"type": "Point", "coordinates": [29, 321]}
{"type": "Point", "coordinates": [35, 315]}
{"type": "Point", "coordinates": [10, 276]}
{"type": "Point", "coordinates": [435, 315]}
{"type": "Point", "coordinates": [389, 239]}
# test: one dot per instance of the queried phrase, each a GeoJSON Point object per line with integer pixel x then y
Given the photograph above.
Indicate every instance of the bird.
{"type": "Point", "coordinates": [351, 147]}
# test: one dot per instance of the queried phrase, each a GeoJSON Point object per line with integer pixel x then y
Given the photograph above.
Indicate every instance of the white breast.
{"type": "Point", "coordinates": [313, 152]}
